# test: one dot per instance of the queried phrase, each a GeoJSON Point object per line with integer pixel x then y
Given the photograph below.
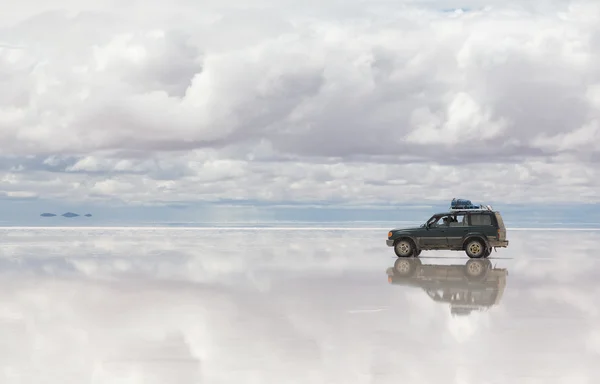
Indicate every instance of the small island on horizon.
{"type": "Point", "coordinates": [67, 214]}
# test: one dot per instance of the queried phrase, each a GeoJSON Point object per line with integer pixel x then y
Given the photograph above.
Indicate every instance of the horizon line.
{"type": "Point", "coordinates": [208, 228]}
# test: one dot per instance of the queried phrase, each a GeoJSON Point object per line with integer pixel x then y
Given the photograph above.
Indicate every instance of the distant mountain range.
{"type": "Point", "coordinates": [68, 214]}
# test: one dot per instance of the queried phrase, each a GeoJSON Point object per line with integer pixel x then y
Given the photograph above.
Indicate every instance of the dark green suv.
{"type": "Point", "coordinates": [475, 231]}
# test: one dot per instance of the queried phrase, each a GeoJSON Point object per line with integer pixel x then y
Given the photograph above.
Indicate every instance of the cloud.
{"type": "Point", "coordinates": [210, 176]}
{"type": "Point", "coordinates": [309, 102]}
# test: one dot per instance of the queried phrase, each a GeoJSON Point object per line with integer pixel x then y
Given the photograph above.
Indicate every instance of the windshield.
{"type": "Point", "coordinates": [431, 220]}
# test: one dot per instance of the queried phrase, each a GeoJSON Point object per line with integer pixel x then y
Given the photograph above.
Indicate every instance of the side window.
{"type": "Point", "coordinates": [481, 219]}
{"type": "Point", "coordinates": [441, 221]}
{"type": "Point", "coordinates": [458, 220]}
{"type": "Point", "coordinates": [434, 221]}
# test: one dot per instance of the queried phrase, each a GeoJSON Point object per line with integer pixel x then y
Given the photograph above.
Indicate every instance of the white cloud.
{"type": "Point", "coordinates": [208, 175]}
{"type": "Point", "coordinates": [465, 119]}
{"type": "Point", "coordinates": [402, 98]}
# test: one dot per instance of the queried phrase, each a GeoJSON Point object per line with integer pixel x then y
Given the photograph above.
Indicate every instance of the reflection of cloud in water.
{"type": "Point", "coordinates": [288, 307]}
{"type": "Point", "coordinates": [463, 329]}
{"type": "Point", "coordinates": [578, 299]}
{"type": "Point", "coordinates": [593, 342]}
{"type": "Point", "coordinates": [156, 331]}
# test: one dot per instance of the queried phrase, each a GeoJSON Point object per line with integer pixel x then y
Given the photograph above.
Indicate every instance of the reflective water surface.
{"type": "Point", "coordinates": [174, 306]}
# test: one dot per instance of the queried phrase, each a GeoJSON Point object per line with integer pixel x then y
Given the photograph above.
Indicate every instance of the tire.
{"type": "Point", "coordinates": [405, 267]}
{"type": "Point", "coordinates": [417, 253]}
{"type": "Point", "coordinates": [475, 249]}
{"type": "Point", "coordinates": [487, 253]}
{"type": "Point", "coordinates": [404, 248]}
{"type": "Point", "coordinates": [477, 269]}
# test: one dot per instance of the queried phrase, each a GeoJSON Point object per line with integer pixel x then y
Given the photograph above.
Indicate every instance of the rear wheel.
{"type": "Point", "coordinates": [475, 249]}
{"type": "Point", "coordinates": [487, 252]}
{"type": "Point", "coordinates": [477, 269]}
{"type": "Point", "coordinates": [404, 248]}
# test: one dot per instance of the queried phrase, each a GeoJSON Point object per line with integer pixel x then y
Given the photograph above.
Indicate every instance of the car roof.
{"type": "Point", "coordinates": [463, 211]}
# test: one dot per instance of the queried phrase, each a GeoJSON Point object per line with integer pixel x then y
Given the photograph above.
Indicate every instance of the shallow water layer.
{"type": "Point", "coordinates": [184, 305]}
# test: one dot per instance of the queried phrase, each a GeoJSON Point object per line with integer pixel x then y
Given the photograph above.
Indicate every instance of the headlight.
{"type": "Point", "coordinates": [389, 234]}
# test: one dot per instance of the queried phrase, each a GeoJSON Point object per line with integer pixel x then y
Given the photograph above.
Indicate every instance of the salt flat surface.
{"type": "Point", "coordinates": [152, 305]}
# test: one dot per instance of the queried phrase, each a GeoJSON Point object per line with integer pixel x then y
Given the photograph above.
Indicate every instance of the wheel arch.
{"type": "Point", "coordinates": [407, 237]}
{"type": "Point", "coordinates": [475, 236]}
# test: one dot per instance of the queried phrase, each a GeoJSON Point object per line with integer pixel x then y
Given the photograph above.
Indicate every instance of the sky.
{"type": "Point", "coordinates": [224, 109]}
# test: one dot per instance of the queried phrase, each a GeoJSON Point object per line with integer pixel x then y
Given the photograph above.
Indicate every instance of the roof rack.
{"type": "Point", "coordinates": [482, 208]}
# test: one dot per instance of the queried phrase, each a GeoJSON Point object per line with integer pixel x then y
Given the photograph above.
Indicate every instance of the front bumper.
{"type": "Point", "coordinates": [390, 243]}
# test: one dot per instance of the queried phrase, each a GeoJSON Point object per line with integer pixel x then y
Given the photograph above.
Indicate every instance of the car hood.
{"type": "Point", "coordinates": [407, 230]}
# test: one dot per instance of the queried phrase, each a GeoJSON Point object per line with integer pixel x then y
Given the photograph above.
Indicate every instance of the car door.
{"type": "Point", "coordinates": [435, 235]}
{"type": "Point", "coordinates": [457, 230]}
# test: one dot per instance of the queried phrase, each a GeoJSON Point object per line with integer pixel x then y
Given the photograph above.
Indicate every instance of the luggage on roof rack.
{"type": "Point", "coordinates": [463, 204]}
{"type": "Point", "coordinates": [467, 205]}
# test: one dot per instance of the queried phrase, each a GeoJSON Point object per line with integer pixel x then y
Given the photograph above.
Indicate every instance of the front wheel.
{"type": "Point", "coordinates": [405, 267]}
{"type": "Point", "coordinates": [475, 249]}
{"type": "Point", "coordinates": [404, 248]}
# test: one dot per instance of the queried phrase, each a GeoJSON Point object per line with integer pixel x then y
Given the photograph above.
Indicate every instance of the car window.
{"type": "Point", "coordinates": [481, 219]}
{"type": "Point", "coordinates": [439, 222]}
{"type": "Point", "coordinates": [433, 220]}
{"type": "Point", "coordinates": [452, 220]}
{"type": "Point", "coordinates": [459, 220]}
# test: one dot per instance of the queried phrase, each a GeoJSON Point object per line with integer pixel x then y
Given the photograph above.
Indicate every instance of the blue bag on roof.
{"type": "Point", "coordinates": [463, 204]}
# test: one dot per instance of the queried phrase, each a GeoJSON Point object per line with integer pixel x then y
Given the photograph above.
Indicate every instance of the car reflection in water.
{"type": "Point", "coordinates": [474, 286]}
